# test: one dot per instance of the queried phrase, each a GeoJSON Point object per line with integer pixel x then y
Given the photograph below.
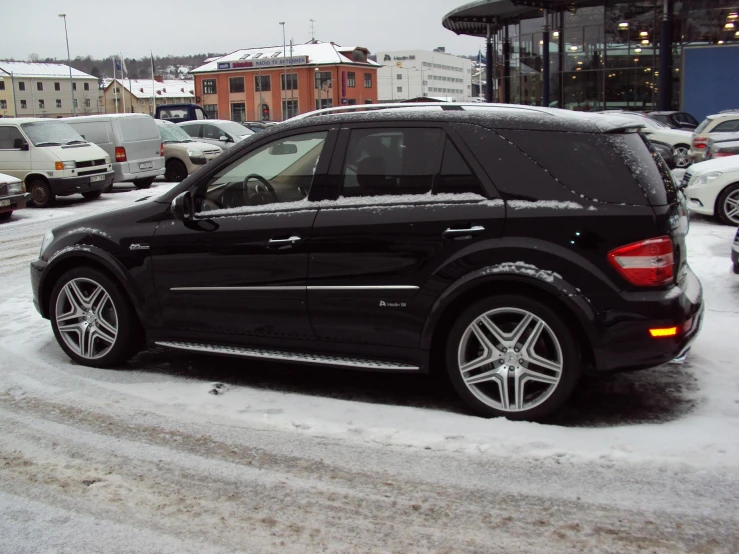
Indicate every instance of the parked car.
{"type": "Point", "coordinates": [722, 147]}
{"type": "Point", "coordinates": [257, 126]}
{"type": "Point", "coordinates": [183, 155]}
{"type": "Point", "coordinates": [654, 130]}
{"type": "Point", "coordinates": [132, 140]}
{"type": "Point", "coordinates": [714, 126]}
{"type": "Point", "coordinates": [675, 120]}
{"type": "Point", "coordinates": [218, 132]}
{"type": "Point", "coordinates": [666, 151]}
{"type": "Point", "coordinates": [177, 113]}
{"type": "Point", "coordinates": [13, 196]}
{"type": "Point", "coordinates": [735, 253]}
{"type": "Point", "coordinates": [52, 159]}
{"type": "Point", "coordinates": [712, 188]}
{"type": "Point", "coordinates": [516, 248]}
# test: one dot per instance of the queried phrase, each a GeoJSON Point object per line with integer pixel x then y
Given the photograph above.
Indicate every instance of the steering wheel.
{"type": "Point", "coordinates": [264, 185]}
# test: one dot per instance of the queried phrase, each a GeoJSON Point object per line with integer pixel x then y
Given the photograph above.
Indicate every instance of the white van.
{"type": "Point", "coordinates": [131, 140]}
{"type": "Point", "coordinates": [52, 159]}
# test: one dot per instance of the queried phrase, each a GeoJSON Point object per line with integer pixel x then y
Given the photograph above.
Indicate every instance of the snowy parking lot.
{"type": "Point", "coordinates": [186, 453]}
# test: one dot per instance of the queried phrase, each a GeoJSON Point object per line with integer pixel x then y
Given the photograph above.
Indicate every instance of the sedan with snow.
{"type": "Point", "coordinates": [218, 132]}
{"type": "Point", "coordinates": [712, 188]}
{"type": "Point", "coordinates": [13, 195]}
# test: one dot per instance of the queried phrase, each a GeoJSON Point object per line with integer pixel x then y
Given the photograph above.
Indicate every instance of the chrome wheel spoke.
{"type": "Point", "coordinates": [97, 298]}
{"type": "Point", "coordinates": [532, 339]}
{"type": "Point", "coordinates": [75, 296]}
{"type": "Point", "coordinates": [529, 375]}
{"type": "Point", "coordinates": [502, 383]}
{"type": "Point", "coordinates": [520, 329]}
{"type": "Point", "coordinates": [85, 342]}
{"type": "Point", "coordinates": [499, 335]}
{"type": "Point", "coordinates": [482, 377]}
{"type": "Point", "coordinates": [104, 334]}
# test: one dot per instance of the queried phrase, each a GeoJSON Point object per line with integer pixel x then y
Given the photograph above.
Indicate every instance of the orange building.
{"type": "Point", "coordinates": [264, 84]}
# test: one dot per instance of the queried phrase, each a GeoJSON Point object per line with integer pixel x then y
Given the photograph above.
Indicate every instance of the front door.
{"type": "Point", "coordinates": [415, 215]}
{"type": "Point", "coordinates": [238, 270]}
{"type": "Point", "coordinates": [15, 157]}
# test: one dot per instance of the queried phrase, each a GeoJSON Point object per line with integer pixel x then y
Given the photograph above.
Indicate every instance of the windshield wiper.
{"type": "Point", "coordinates": [76, 141]}
{"type": "Point", "coordinates": [48, 144]}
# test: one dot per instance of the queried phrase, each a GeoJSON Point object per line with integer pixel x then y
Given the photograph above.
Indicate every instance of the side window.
{"type": "Point", "coordinates": [391, 161]}
{"type": "Point", "coordinates": [726, 127]}
{"type": "Point", "coordinates": [11, 138]}
{"type": "Point", "coordinates": [199, 114]}
{"type": "Point", "coordinates": [192, 130]}
{"type": "Point", "coordinates": [212, 132]}
{"type": "Point", "coordinates": [280, 171]}
{"type": "Point", "coordinates": [455, 174]}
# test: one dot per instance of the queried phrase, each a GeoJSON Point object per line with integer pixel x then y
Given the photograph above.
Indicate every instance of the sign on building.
{"type": "Point", "coordinates": [267, 62]}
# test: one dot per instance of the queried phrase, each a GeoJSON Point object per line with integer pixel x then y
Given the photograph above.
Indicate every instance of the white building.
{"type": "Point", "coordinates": [409, 74]}
{"type": "Point", "coordinates": [135, 95]}
{"type": "Point", "coordinates": [44, 90]}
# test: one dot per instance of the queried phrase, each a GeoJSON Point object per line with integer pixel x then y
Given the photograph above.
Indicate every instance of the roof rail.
{"type": "Point", "coordinates": [411, 106]}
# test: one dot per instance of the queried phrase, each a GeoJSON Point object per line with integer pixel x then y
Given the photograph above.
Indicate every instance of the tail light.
{"type": "Point", "coordinates": [120, 154]}
{"type": "Point", "coordinates": [648, 263]}
{"type": "Point", "coordinates": [161, 149]}
{"type": "Point", "coordinates": [700, 143]}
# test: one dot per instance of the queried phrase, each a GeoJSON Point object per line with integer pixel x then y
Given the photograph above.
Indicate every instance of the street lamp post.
{"type": "Point", "coordinates": [284, 65]}
{"type": "Point", "coordinates": [69, 62]}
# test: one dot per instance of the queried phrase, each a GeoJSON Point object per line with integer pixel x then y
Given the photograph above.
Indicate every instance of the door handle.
{"type": "Point", "coordinates": [474, 230]}
{"type": "Point", "coordinates": [281, 242]}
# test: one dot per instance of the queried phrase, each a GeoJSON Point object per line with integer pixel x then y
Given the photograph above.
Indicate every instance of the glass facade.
{"type": "Point", "coordinates": [607, 57]}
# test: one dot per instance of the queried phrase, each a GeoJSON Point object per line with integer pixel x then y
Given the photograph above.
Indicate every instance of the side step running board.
{"type": "Point", "coordinates": [279, 355]}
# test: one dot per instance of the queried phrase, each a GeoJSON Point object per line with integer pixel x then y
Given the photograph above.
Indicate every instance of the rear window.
{"type": "Point", "coordinates": [702, 126]}
{"type": "Point", "coordinates": [647, 166]}
{"type": "Point", "coordinates": [585, 163]}
{"type": "Point", "coordinates": [138, 128]}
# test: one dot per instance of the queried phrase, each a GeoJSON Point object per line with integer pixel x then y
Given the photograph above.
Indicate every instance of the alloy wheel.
{"type": "Point", "coordinates": [86, 318]}
{"type": "Point", "coordinates": [731, 206]}
{"type": "Point", "coordinates": [510, 359]}
{"type": "Point", "coordinates": [682, 156]}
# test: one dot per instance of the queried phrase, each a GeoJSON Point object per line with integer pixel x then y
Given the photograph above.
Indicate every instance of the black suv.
{"type": "Point", "coordinates": [516, 247]}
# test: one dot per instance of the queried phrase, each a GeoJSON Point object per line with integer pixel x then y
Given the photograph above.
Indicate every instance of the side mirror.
{"type": "Point", "coordinates": [182, 207]}
{"type": "Point", "coordinates": [224, 139]}
{"type": "Point", "coordinates": [20, 144]}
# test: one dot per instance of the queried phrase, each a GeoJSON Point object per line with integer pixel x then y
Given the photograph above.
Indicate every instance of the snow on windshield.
{"type": "Point", "coordinates": [173, 133]}
{"type": "Point", "coordinates": [51, 132]}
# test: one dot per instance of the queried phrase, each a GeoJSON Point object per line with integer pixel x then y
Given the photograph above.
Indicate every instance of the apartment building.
{"type": "Point", "coordinates": [141, 95]}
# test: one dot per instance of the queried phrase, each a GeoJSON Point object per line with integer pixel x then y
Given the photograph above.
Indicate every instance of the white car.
{"type": "Point", "coordinates": [218, 132]}
{"type": "Point", "coordinates": [712, 188]}
{"type": "Point", "coordinates": [654, 130]}
{"type": "Point", "coordinates": [713, 127]}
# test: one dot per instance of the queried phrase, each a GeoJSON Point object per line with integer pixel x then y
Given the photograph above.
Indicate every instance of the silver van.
{"type": "Point", "coordinates": [131, 140]}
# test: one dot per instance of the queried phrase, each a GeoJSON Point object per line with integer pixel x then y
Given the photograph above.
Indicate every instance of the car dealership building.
{"type": "Point", "coordinates": [603, 54]}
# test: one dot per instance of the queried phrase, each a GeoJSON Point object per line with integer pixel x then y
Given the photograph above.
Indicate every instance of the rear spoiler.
{"type": "Point", "coordinates": [614, 123]}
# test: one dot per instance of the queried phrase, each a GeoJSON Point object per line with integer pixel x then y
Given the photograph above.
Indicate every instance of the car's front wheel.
{"type": "Point", "coordinates": [727, 205]}
{"type": "Point", "coordinates": [41, 193]}
{"type": "Point", "coordinates": [512, 356]}
{"type": "Point", "coordinates": [682, 156]}
{"type": "Point", "coordinates": [92, 195]}
{"type": "Point", "coordinates": [92, 319]}
{"type": "Point", "coordinates": [175, 171]}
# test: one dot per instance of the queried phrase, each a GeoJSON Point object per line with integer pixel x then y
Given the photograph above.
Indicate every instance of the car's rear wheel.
{"type": "Point", "coordinates": [92, 194]}
{"type": "Point", "coordinates": [682, 156]}
{"type": "Point", "coordinates": [175, 171]}
{"type": "Point", "coordinates": [92, 319]}
{"type": "Point", "coordinates": [143, 183]}
{"type": "Point", "coordinates": [727, 205]}
{"type": "Point", "coordinates": [5, 215]}
{"type": "Point", "coordinates": [41, 194]}
{"type": "Point", "coordinates": [512, 356]}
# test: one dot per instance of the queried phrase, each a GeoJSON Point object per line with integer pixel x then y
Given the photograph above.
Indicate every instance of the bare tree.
{"type": "Point", "coordinates": [33, 57]}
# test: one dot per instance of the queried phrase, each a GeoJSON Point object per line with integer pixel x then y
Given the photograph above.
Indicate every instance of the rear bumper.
{"type": "Point", "coordinates": [128, 171]}
{"type": "Point", "coordinates": [72, 185]}
{"type": "Point", "coordinates": [17, 202]}
{"type": "Point", "coordinates": [625, 342]}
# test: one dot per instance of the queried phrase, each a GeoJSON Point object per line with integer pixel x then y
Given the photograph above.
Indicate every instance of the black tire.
{"type": "Point", "coordinates": [686, 160]}
{"type": "Point", "coordinates": [143, 183]}
{"type": "Point", "coordinates": [570, 358]}
{"type": "Point", "coordinates": [6, 215]}
{"type": "Point", "coordinates": [721, 208]}
{"type": "Point", "coordinates": [129, 338]}
{"type": "Point", "coordinates": [41, 193]}
{"type": "Point", "coordinates": [93, 194]}
{"type": "Point", "coordinates": [175, 171]}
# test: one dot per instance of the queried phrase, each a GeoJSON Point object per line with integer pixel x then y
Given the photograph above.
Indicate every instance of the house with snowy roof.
{"type": "Point", "coordinates": [140, 95]}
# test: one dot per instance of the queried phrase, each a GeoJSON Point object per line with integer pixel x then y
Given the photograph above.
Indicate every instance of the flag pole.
{"type": "Point", "coordinates": [115, 86]}
{"type": "Point", "coordinates": [153, 98]}
{"type": "Point", "coordinates": [120, 56]}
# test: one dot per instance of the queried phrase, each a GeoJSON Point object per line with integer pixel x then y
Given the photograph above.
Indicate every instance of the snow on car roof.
{"type": "Point", "coordinates": [7, 179]}
{"type": "Point", "coordinates": [28, 70]}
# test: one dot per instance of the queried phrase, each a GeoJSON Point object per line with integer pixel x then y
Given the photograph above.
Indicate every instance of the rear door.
{"type": "Point", "coordinates": [140, 137]}
{"type": "Point", "coordinates": [412, 211]}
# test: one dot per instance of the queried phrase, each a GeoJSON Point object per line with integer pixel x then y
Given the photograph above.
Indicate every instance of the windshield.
{"type": "Point", "coordinates": [173, 133]}
{"type": "Point", "coordinates": [51, 133]}
{"type": "Point", "coordinates": [235, 129]}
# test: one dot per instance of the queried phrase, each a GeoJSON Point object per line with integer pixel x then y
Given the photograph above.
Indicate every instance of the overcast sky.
{"type": "Point", "coordinates": [135, 27]}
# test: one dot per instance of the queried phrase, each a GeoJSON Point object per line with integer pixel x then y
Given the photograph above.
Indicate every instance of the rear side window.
{"type": "Point", "coordinates": [647, 166]}
{"type": "Point", "coordinates": [455, 175]}
{"type": "Point", "coordinates": [138, 128]}
{"type": "Point", "coordinates": [726, 127]}
{"type": "Point", "coordinates": [391, 161]}
{"type": "Point", "coordinates": [585, 163]}
{"type": "Point", "coordinates": [702, 126]}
